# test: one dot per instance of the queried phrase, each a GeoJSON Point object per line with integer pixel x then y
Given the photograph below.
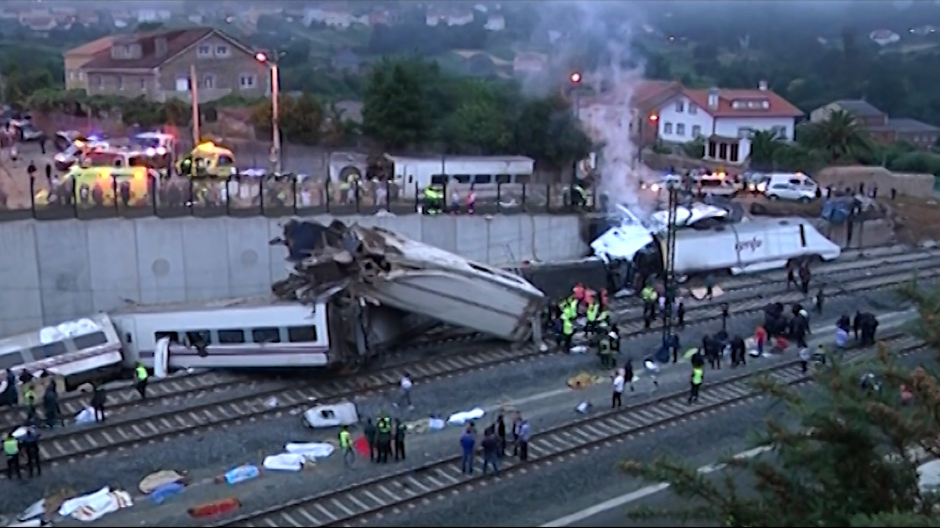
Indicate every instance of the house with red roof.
{"type": "Point", "coordinates": [158, 66]}
{"type": "Point", "coordinates": [724, 118]}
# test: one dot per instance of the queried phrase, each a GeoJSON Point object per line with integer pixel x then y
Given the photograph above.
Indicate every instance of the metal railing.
{"type": "Point", "coordinates": [277, 196]}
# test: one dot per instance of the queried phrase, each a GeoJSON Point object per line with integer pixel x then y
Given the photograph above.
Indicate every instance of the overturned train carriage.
{"type": "Point", "coordinates": [379, 268]}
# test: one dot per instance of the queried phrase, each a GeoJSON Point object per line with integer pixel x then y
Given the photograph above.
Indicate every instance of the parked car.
{"type": "Point", "coordinates": [796, 186]}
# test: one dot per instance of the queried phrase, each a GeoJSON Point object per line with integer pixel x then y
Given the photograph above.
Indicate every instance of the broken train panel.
{"type": "Point", "coordinates": [378, 265]}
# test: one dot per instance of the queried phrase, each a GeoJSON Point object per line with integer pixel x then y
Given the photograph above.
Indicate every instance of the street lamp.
{"type": "Point", "coordinates": [275, 117]}
{"type": "Point", "coordinates": [575, 79]}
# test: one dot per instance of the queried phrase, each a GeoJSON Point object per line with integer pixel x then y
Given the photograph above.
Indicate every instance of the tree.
{"type": "Point", "coordinates": [482, 123]}
{"type": "Point", "coordinates": [839, 136]}
{"type": "Point", "coordinates": [847, 463]}
{"type": "Point", "coordinates": [764, 143]}
{"type": "Point", "coordinates": [301, 118]}
{"type": "Point", "coordinates": [396, 111]}
{"type": "Point", "coordinates": [546, 130]}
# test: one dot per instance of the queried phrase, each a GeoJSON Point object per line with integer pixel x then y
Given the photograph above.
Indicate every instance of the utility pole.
{"type": "Point", "coordinates": [669, 264]}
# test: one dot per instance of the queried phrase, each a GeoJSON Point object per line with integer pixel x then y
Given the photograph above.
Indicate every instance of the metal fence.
{"type": "Point", "coordinates": [274, 196]}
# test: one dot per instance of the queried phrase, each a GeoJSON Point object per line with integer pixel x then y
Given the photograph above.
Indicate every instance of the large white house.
{"type": "Point", "coordinates": [724, 118]}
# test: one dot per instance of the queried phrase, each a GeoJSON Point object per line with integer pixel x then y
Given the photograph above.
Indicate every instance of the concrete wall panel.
{"type": "Point", "coordinates": [440, 232]}
{"type": "Point", "coordinates": [504, 240]}
{"type": "Point", "coordinates": [113, 269]}
{"type": "Point", "coordinates": [473, 238]}
{"type": "Point", "coordinates": [542, 238]}
{"type": "Point", "coordinates": [249, 259]}
{"type": "Point", "coordinates": [64, 270]}
{"type": "Point", "coordinates": [277, 254]}
{"type": "Point", "coordinates": [411, 226]}
{"type": "Point", "coordinates": [526, 245]}
{"type": "Point", "coordinates": [21, 307]}
{"type": "Point", "coordinates": [160, 264]}
{"type": "Point", "coordinates": [205, 258]}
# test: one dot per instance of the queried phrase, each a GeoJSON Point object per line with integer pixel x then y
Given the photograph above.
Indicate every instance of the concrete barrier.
{"type": "Point", "coordinates": [56, 271]}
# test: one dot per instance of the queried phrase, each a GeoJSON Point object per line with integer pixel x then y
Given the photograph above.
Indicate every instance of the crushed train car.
{"type": "Point", "coordinates": [379, 266]}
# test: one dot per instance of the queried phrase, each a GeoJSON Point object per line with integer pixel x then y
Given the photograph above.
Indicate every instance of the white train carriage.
{"type": "Point", "coordinates": [746, 247]}
{"type": "Point", "coordinates": [252, 333]}
{"type": "Point", "coordinates": [79, 351]}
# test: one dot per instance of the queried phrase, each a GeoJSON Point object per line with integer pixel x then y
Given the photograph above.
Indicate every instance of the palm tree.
{"type": "Point", "coordinates": [839, 136]}
{"type": "Point", "coordinates": [764, 144]}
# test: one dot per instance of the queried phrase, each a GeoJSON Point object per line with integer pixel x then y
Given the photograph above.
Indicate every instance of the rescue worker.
{"type": "Point", "coordinates": [501, 434]}
{"type": "Point", "coordinates": [400, 431]}
{"type": "Point", "coordinates": [614, 335]}
{"type": "Point", "coordinates": [11, 448]}
{"type": "Point", "coordinates": [567, 332]}
{"type": "Point", "coordinates": [50, 404]}
{"type": "Point", "coordinates": [384, 438]}
{"type": "Point", "coordinates": [680, 312]}
{"type": "Point", "coordinates": [370, 433]}
{"type": "Point", "coordinates": [709, 287]}
{"type": "Point", "coordinates": [672, 346]}
{"type": "Point", "coordinates": [346, 446]}
{"type": "Point", "coordinates": [30, 445]}
{"type": "Point", "coordinates": [467, 443]}
{"type": "Point", "coordinates": [698, 375]}
{"type": "Point", "coordinates": [140, 373]}
{"type": "Point", "coordinates": [844, 322]}
{"type": "Point", "coordinates": [490, 447]}
{"type": "Point", "coordinates": [857, 323]}
{"type": "Point", "coordinates": [98, 401]}
{"type": "Point", "coordinates": [433, 200]}
{"type": "Point", "coordinates": [605, 352]}
{"type": "Point", "coordinates": [799, 325]}
{"type": "Point", "coordinates": [579, 196]}
{"type": "Point", "coordinates": [593, 310]}
{"type": "Point", "coordinates": [805, 276]}
{"type": "Point", "coordinates": [628, 373]}
{"type": "Point", "coordinates": [648, 295]}
{"type": "Point", "coordinates": [711, 349]}
{"type": "Point", "coordinates": [603, 319]}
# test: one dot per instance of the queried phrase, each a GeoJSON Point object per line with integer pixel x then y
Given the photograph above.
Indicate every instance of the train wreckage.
{"type": "Point", "coordinates": [397, 288]}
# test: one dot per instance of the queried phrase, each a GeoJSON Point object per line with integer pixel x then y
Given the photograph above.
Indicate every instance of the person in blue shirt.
{"type": "Point", "coordinates": [467, 442]}
{"type": "Point", "coordinates": [842, 338]}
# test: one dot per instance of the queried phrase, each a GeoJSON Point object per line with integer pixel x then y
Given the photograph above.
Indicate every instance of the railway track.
{"type": "Point", "coordinates": [75, 443]}
{"type": "Point", "coordinates": [200, 384]}
{"type": "Point", "coordinates": [361, 503]}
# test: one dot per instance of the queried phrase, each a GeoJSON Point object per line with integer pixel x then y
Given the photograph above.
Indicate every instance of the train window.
{"type": "Point", "coordinates": [301, 334]}
{"type": "Point", "coordinates": [92, 340]}
{"type": "Point", "coordinates": [266, 335]}
{"type": "Point", "coordinates": [462, 178]}
{"type": "Point", "coordinates": [231, 336]}
{"type": "Point", "coordinates": [56, 348]}
{"type": "Point", "coordinates": [174, 337]}
{"type": "Point", "coordinates": [8, 361]}
{"type": "Point", "coordinates": [439, 179]}
{"type": "Point", "coordinates": [483, 179]}
{"type": "Point", "coordinates": [503, 178]}
{"type": "Point", "coordinates": [522, 178]}
{"type": "Point", "coordinates": [198, 338]}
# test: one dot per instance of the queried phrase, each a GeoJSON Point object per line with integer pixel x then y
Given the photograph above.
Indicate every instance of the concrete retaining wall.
{"type": "Point", "coordinates": [54, 271]}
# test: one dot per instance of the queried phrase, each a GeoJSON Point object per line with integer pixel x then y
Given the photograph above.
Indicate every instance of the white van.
{"type": "Point", "coordinates": [794, 186]}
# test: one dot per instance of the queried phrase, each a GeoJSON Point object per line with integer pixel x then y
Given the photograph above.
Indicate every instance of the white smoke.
{"type": "Point", "coordinates": [580, 31]}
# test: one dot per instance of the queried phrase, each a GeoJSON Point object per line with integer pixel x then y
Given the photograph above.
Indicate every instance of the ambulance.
{"type": "Point", "coordinates": [207, 159]}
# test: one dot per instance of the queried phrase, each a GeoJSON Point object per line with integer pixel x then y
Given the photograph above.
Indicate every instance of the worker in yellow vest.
{"type": "Point", "coordinates": [698, 376]}
{"type": "Point", "coordinates": [140, 374]}
{"type": "Point", "coordinates": [346, 446]}
{"type": "Point", "coordinates": [11, 448]}
{"type": "Point", "coordinates": [593, 310]}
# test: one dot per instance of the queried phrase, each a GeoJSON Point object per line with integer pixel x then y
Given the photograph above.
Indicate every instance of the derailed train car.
{"type": "Point", "coordinates": [391, 270]}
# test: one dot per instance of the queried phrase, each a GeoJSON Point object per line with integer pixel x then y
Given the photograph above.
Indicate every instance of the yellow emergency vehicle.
{"type": "Point", "coordinates": [207, 159]}
{"type": "Point", "coordinates": [96, 186]}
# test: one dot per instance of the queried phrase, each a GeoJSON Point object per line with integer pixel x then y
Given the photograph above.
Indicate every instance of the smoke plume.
{"type": "Point", "coordinates": [594, 39]}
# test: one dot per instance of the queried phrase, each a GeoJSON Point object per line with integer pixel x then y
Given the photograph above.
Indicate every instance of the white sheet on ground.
{"type": "Point", "coordinates": [285, 462]}
{"type": "Point", "coordinates": [35, 511]}
{"type": "Point", "coordinates": [158, 479]}
{"type": "Point", "coordinates": [91, 507]}
{"type": "Point", "coordinates": [312, 449]}
{"type": "Point", "coordinates": [461, 418]}
{"type": "Point", "coordinates": [85, 416]}
{"type": "Point", "coordinates": [19, 433]}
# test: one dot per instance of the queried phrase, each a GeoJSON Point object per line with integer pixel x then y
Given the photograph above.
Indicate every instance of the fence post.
{"type": "Point", "coordinates": [192, 195]}
{"type": "Point", "coordinates": [75, 197]}
{"type": "Point", "coordinates": [153, 187]}
{"type": "Point", "coordinates": [293, 190]}
{"type": "Point", "coordinates": [32, 196]}
{"type": "Point", "coordinates": [326, 192]}
{"type": "Point", "coordinates": [356, 190]}
{"type": "Point", "coordinates": [228, 195]}
{"type": "Point", "coordinates": [262, 184]}
{"type": "Point", "coordinates": [525, 207]}
{"type": "Point", "coordinates": [416, 197]}
{"type": "Point", "coordinates": [388, 196]}
{"type": "Point", "coordinates": [114, 195]}
{"type": "Point", "coordinates": [548, 198]}
{"type": "Point", "coordinates": [499, 198]}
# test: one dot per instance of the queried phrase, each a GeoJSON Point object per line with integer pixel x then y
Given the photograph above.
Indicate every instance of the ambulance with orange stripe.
{"type": "Point", "coordinates": [97, 186]}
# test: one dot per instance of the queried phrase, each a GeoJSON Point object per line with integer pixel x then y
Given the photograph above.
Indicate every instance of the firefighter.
{"type": "Point", "coordinates": [606, 352]}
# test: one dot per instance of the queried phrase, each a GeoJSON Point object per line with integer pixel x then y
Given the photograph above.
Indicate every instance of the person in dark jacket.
{"type": "Point", "coordinates": [371, 434]}
{"type": "Point", "coordinates": [467, 443]}
{"type": "Point", "coordinates": [490, 453]}
{"type": "Point", "coordinates": [501, 434]}
{"type": "Point", "coordinates": [400, 431]}
{"type": "Point", "coordinates": [857, 323]}
{"type": "Point", "coordinates": [738, 354]}
{"type": "Point", "coordinates": [98, 401]}
{"type": "Point", "coordinates": [680, 313]}
{"type": "Point", "coordinates": [805, 276]}
{"type": "Point", "coordinates": [12, 394]}
{"type": "Point", "coordinates": [30, 443]}
{"type": "Point", "coordinates": [628, 373]}
{"type": "Point", "coordinates": [50, 404]}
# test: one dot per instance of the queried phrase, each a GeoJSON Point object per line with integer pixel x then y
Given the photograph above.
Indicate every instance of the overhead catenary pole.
{"type": "Point", "coordinates": [669, 261]}
{"type": "Point", "coordinates": [194, 92]}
